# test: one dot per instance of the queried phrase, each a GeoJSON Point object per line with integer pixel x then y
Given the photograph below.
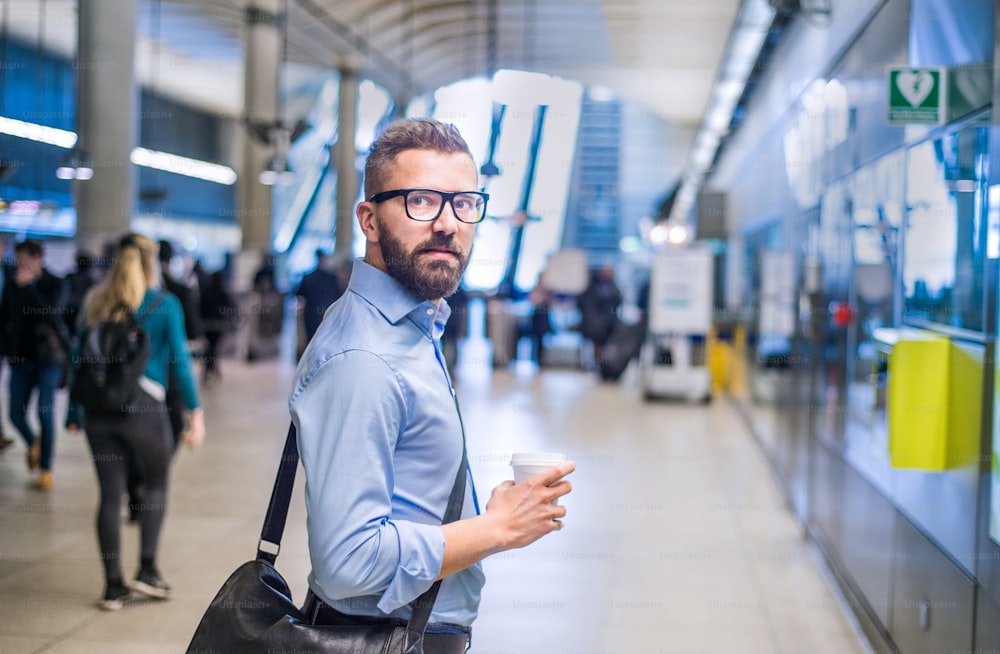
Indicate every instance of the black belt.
{"type": "Point", "coordinates": [439, 638]}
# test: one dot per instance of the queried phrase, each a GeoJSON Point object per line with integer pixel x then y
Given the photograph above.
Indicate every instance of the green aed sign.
{"type": "Point", "coordinates": [916, 95]}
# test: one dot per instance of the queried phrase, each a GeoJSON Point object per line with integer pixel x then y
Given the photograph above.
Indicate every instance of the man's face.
{"type": "Point", "coordinates": [28, 264]}
{"type": "Point", "coordinates": [428, 258]}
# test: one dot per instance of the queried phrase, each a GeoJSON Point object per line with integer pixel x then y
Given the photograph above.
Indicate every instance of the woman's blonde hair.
{"type": "Point", "coordinates": [134, 269]}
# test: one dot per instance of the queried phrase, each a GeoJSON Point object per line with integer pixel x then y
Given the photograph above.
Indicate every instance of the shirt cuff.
{"type": "Point", "coordinates": [419, 564]}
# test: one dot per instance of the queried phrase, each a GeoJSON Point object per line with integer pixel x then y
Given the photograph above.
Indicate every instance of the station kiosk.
{"type": "Point", "coordinates": [673, 357]}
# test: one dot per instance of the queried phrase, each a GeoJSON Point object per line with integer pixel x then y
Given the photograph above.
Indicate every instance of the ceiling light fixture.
{"type": "Point", "coordinates": [753, 23]}
{"type": "Point", "coordinates": [171, 163]}
{"type": "Point", "coordinates": [34, 132]}
{"type": "Point", "coordinates": [277, 172]}
{"type": "Point", "coordinates": [174, 163]}
{"type": "Point", "coordinates": [76, 165]}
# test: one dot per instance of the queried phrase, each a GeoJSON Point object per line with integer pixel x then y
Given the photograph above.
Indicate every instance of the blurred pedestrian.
{"type": "Point", "coordinates": [186, 292]}
{"type": "Point", "coordinates": [187, 295]}
{"type": "Point", "coordinates": [78, 283]}
{"type": "Point", "coordinates": [219, 313]}
{"type": "Point", "coordinates": [598, 306]}
{"type": "Point", "coordinates": [36, 346]}
{"type": "Point", "coordinates": [318, 290]}
{"type": "Point", "coordinates": [266, 313]}
{"type": "Point", "coordinates": [141, 435]}
{"type": "Point", "coordinates": [6, 272]}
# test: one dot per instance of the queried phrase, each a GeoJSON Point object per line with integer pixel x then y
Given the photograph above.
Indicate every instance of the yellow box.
{"type": "Point", "coordinates": [934, 399]}
{"type": "Point", "coordinates": [917, 398]}
{"type": "Point", "coordinates": [966, 400]}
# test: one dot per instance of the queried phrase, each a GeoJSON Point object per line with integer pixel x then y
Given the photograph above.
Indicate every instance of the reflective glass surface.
{"type": "Point", "coordinates": [945, 232]}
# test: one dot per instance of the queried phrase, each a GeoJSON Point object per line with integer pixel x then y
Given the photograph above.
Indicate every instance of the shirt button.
{"type": "Point", "coordinates": [430, 312]}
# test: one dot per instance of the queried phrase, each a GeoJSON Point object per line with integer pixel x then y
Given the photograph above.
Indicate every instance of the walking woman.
{"type": "Point", "coordinates": [142, 436]}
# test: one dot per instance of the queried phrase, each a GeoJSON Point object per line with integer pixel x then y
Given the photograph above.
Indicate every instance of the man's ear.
{"type": "Point", "coordinates": [367, 221]}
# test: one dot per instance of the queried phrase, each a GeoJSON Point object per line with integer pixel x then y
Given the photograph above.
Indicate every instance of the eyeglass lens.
{"type": "Point", "coordinates": [428, 204]}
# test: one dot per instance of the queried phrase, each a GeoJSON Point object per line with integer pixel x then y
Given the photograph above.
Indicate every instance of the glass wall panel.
{"type": "Point", "coordinates": [945, 234]}
{"type": "Point", "coordinates": [876, 193]}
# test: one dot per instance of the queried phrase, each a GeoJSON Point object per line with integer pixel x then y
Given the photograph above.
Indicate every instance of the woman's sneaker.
{"type": "Point", "coordinates": [115, 596]}
{"type": "Point", "coordinates": [149, 583]}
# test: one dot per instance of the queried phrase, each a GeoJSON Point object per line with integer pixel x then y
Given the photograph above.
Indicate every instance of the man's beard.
{"type": "Point", "coordinates": [429, 280]}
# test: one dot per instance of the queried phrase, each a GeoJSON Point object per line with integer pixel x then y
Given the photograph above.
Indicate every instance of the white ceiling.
{"type": "Point", "coordinates": [661, 53]}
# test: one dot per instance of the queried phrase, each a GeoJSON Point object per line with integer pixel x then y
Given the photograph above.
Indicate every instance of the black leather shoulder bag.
{"type": "Point", "coordinates": [254, 612]}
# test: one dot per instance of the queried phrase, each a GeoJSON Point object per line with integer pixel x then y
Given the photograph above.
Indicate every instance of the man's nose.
{"type": "Point", "coordinates": [448, 220]}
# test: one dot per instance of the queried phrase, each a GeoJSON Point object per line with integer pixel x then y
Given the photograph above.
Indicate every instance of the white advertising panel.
{"type": "Point", "coordinates": [680, 292]}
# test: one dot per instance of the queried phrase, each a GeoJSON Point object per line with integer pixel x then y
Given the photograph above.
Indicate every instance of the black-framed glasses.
{"type": "Point", "coordinates": [426, 204]}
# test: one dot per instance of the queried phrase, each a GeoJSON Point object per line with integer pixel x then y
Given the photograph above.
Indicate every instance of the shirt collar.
{"type": "Point", "coordinates": [394, 302]}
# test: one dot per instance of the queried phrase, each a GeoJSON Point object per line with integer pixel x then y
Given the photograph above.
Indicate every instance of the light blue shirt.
{"type": "Point", "coordinates": [381, 441]}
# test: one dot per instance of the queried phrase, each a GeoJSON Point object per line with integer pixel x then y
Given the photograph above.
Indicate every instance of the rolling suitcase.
{"type": "Point", "coordinates": [622, 346]}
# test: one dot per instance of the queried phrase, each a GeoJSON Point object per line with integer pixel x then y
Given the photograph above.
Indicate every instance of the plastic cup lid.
{"type": "Point", "coordinates": [537, 458]}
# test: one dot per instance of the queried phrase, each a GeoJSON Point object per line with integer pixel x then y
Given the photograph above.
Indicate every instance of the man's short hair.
{"type": "Point", "coordinates": [30, 247]}
{"type": "Point", "coordinates": [166, 251]}
{"type": "Point", "coordinates": [409, 134]}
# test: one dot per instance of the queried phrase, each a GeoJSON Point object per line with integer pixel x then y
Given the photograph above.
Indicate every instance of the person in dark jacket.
{"type": "Point", "coordinates": [194, 331]}
{"type": "Point", "coordinates": [36, 345]}
{"type": "Point", "coordinates": [185, 292]}
{"type": "Point", "coordinates": [318, 290]}
{"type": "Point", "coordinates": [6, 272]}
{"type": "Point", "coordinates": [540, 323]}
{"type": "Point", "coordinates": [598, 306]}
{"type": "Point", "coordinates": [219, 313]}
{"type": "Point", "coordinates": [78, 283]}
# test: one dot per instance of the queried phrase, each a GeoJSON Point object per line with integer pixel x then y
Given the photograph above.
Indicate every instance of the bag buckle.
{"type": "Point", "coordinates": [269, 548]}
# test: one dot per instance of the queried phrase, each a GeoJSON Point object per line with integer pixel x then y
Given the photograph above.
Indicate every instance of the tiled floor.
{"type": "Point", "coordinates": [676, 539]}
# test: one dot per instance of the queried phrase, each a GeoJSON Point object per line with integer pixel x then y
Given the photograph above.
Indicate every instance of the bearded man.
{"type": "Point", "coordinates": [379, 431]}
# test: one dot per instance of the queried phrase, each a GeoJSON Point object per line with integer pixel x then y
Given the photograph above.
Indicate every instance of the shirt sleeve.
{"type": "Point", "coordinates": [349, 415]}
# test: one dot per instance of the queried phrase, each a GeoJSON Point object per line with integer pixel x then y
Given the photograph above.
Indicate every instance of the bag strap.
{"type": "Point", "coordinates": [423, 605]}
{"type": "Point", "coordinates": [281, 497]}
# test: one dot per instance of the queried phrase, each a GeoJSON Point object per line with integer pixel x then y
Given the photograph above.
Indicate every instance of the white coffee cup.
{"type": "Point", "coordinates": [529, 464]}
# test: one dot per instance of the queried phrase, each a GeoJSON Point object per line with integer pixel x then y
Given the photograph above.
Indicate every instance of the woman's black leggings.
{"type": "Point", "coordinates": [141, 439]}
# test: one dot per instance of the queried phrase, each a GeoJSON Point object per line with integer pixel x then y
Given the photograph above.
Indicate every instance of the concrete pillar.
{"type": "Point", "coordinates": [107, 120]}
{"type": "Point", "coordinates": [261, 97]}
{"type": "Point", "coordinates": [345, 155]}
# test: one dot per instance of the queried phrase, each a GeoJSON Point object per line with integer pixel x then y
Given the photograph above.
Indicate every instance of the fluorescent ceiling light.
{"type": "Point", "coordinates": [35, 132]}
{"type": "Point", "coordinates": [173, 163]}
{"type": "Point", "coordinates": [66, 172]}
{"type": "Point", "coordinates": [170, 163]}
{"type": "Point", "coordinates": [742, 51]}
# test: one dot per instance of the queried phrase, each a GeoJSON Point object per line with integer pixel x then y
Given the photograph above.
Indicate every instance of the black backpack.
{"type": "Point", "coordinates": [112, 357]}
